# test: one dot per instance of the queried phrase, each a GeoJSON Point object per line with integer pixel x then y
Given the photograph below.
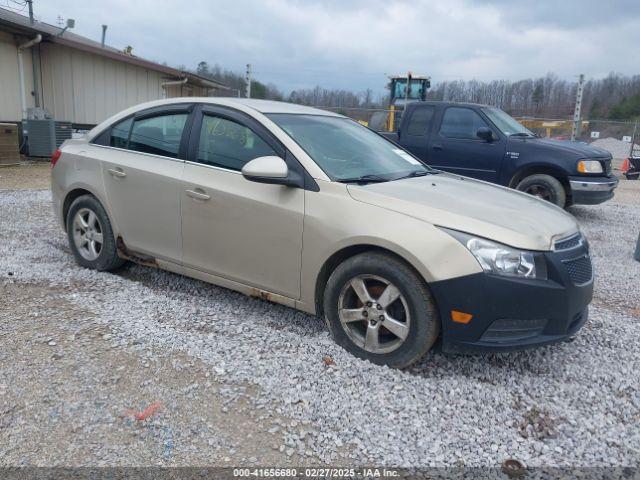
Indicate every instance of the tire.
{"type": "Point", "coordinates": [87, 215]}
{"type": "Point", "coordinates": [420, 328]}
{"type": "Point", "coordinates": [544, 186]}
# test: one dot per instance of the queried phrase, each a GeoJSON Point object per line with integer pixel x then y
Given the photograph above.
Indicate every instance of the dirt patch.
{"type": "Point", "coordinates": [26, 176]}
{"type": "Point", "coordinates": [69, 395]}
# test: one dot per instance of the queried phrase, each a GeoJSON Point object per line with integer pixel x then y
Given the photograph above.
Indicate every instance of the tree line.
{"type": "Point", "coordinates": [615, 97]}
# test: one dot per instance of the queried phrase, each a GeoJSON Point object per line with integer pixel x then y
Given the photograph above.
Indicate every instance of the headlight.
{"type": "Point", "coordinates": [589, 166]}
{"type": "Point", "coordinates": [501, 259]}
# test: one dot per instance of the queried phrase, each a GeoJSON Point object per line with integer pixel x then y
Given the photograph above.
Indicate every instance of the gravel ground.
{"type": "Point", "coordinates": [244, 381]}
{"type": "Point", "coordinates": [617, 148]}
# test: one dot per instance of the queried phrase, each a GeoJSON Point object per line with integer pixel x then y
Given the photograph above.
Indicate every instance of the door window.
{"type": "Point", "coordinates": [228, 144]}
{"type": "Point", "coordinates": [159, 135]}
{"type": "Point", "coordinates": [459, 122]}
{"type": "Point", "coordinates": [420, 121]}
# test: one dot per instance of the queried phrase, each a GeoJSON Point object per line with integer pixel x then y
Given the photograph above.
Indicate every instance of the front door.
{"type": "Point", "coordinates": [243, 231]}
{"type": "Point", "coordinates": [456, 148]}
{"type": "Point", "coordinates": [142, 174]}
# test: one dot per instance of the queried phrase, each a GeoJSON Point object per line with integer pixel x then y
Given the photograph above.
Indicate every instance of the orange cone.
{"type": "Point", "coordinates": [625, 165]}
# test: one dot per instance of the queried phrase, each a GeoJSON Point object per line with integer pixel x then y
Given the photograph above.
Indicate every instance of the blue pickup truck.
{"type": "Point", "coordinates": [486, 143]}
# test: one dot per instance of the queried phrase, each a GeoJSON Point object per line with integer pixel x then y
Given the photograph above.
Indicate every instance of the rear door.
{"type": "Point", "coordinates": [243, 231]}
{"type": "Point", "coordinates": [414, 136]}
{"type": "Point", "coordinates": [456, 148]}
{"type": "Point", "coordinates": [142, 168]}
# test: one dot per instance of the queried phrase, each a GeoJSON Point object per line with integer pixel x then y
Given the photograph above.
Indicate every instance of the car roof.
{"type": "Point", "coordinates": [272, 106]}
{"type": "Point", "coordinates": [262, 106]}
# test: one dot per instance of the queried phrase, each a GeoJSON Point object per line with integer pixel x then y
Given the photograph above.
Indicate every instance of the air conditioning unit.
{"type": "Point", "coordinates": [44, 136]}
{"type": "Point", "coordinates": [9, 144]}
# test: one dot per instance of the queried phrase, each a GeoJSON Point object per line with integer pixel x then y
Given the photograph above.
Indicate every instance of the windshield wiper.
{"type": "Point", "coordinates": [417, 173]}
{"type": "Point", "coordinates": [363, 179]}
{"type": "Point", "coordinates": [521, 134]}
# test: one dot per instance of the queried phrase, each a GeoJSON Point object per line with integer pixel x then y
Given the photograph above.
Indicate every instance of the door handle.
{"type": "Point", "coordinates": [198, 195]}
{"type": "Point", "coordinates": [116, 172]}
{"type": "Point", "coordinates": [437, 146]}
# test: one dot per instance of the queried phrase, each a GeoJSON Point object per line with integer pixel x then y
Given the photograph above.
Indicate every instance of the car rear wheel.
{"type": "Point", "coordinates": [380, 310]}
{"type": "Point", "coordinates": [545, 187]}
{"type": "Point", "coordinates": [90, 235]}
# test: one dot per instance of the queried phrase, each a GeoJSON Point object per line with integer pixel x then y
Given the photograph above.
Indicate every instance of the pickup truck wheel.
{"type": "Point", "coordinates": [544, 186]}
{"type": "Point", "coordinates": [379, 309]}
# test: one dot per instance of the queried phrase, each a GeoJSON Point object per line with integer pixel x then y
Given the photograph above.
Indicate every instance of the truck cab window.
{"type": "Point", "coordinates": [460, 122]}
{"type": "Point", "coordinates": [420, 121]}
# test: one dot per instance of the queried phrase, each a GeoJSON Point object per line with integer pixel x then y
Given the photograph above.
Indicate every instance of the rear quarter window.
{"type": "Point", "coordinates": [119, 136]}
{"type": "Point", "coordinates": [420, 121]}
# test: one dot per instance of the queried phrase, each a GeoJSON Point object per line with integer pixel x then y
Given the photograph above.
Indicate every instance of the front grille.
{"type": "Point", "coordinates": [569, 242]}
{"type": "Point", "coordinates": [579, 269]}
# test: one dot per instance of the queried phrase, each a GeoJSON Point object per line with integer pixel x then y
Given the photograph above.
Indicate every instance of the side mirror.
{"type": "Point", "coordinates": [485, 133]}
{"type": "Point", "coordinates": [269, 169]}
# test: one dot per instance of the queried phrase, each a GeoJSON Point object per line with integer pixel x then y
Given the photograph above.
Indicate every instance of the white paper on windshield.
{"type": "Point", "coordinates": [406, 156]}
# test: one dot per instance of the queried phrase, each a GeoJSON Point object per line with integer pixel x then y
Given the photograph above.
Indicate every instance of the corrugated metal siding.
{"type": "Point", "coordinates": [10, 109]}
{"type": "Point", "coordinates": [83, 88]}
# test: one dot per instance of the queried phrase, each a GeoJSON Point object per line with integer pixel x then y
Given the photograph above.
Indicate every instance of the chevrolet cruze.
{"type": "Point", "coordinates": [310, 209]}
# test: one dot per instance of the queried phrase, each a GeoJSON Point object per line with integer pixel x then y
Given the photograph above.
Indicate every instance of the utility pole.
{"type": "Point", "coordinates": [632, 150]}
{"type": "Point", "coordinates": [247, 80]}
{"type": "Point", "coordinates": [30, 3]}
{"type": "Point", "coordinates": [577, 123]}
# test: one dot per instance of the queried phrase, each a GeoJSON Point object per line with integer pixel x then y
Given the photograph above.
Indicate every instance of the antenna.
{"type": "Point", "coordinates": [70, 24]}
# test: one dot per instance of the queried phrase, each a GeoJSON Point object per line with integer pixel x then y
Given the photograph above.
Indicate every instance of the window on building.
{"type": "Point", "coordinates": [159, 135]}
{"type": "Point", "coordinates": [459, 122]}
{"type": "Point", "coordinates": [420, 121]}
{"type": "Point", "coordinates": [228, 144]}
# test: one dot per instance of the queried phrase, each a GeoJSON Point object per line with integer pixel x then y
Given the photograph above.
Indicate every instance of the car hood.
{"type": "Point", "coordinates": [474, 207]}
{"type": "Point", "coordinates": [576, 150]}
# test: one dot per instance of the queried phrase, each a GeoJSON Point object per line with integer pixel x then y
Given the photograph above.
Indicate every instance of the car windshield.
{"type": "Point", "coordinates": [347, 151]}
{"type": "Point", "coordinates": [506, 123]}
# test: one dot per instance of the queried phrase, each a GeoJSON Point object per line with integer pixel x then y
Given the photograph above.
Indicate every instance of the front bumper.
{"type": "Point", "coordinates": [592, 190]}
{"type": "Point", "coordinates": [512, 314]}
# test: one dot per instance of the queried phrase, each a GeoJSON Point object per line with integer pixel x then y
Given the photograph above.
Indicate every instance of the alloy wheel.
{"type": "Point", "coordinates": [87, 234]}
{"type": "Point", "coordinates": [374, 313]}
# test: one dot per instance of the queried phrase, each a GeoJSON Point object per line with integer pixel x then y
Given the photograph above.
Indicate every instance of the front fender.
{"type": "Point", "coordinates": [335, 222]}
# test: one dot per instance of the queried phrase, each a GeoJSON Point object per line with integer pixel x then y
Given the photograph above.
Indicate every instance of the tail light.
{"type": "Point", "coordinates": [55, 157]}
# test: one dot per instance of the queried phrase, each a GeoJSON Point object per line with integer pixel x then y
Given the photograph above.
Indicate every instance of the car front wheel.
{"type": "Point", "coordinates": [380, 310]}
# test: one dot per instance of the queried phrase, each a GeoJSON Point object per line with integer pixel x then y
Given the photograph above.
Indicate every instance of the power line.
{"type": "Point", "coordinates": [15, 9]}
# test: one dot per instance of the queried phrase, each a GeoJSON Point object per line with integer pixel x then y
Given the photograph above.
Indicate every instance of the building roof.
{"type": "Point", "coordinates": [20, 24]}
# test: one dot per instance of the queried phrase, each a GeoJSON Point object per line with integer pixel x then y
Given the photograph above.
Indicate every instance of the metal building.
{"type": "Point", "coordinates": [76, 79]}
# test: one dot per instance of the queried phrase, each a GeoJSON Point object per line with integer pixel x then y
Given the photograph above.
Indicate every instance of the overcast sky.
{"type": "Point", "coordinates": [352, 44]}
